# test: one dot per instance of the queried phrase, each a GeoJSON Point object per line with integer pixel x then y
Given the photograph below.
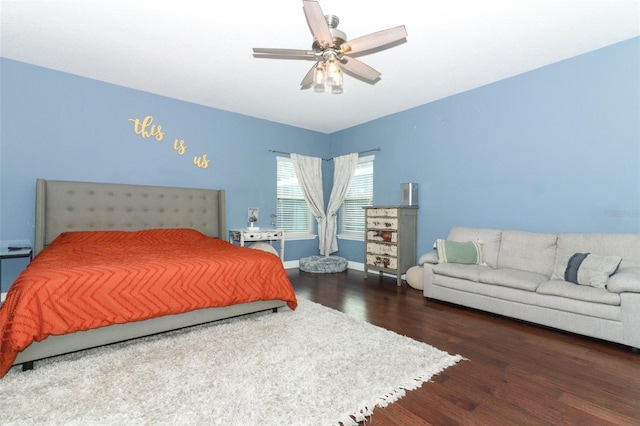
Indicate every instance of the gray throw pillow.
{"type": "Point", "coordinates": [591, 269]}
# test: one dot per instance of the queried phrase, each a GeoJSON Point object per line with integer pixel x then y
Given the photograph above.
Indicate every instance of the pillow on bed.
{"type": "Point", "coordinates": [468, 252]}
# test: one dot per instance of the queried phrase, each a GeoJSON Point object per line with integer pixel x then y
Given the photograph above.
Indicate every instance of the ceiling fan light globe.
{"type": "Point", "coordinates": [336, 79]}
{"type": "Point", "coordinates": [332, 68]}
{"type": "Point", "coordinates": [319, 75]}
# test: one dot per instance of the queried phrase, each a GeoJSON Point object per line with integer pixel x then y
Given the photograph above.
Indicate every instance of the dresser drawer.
{"type": "Point", "coordinates": [382, 261]}
{"type": "Point", "coordinates": [383, 236]}
{"type": "Point", "coordinates": [381, 248]}
{"type": "Point", "coordinates": [383, 211]}
{"type": "Point", "coordinates": [382, 223]}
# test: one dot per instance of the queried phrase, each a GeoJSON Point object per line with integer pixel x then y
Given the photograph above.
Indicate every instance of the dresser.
{"type": "Point", "coordinates": [390, 239]}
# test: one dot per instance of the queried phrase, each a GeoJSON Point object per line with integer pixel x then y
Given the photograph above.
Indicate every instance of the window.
{"type": "Point", "coordinates": [360, 194]}
{"type": "Point", "coordinates": [294, 216]}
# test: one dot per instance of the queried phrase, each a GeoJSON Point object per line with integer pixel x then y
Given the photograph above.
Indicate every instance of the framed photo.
{"type": "Point", "coordinates": [253, 215]}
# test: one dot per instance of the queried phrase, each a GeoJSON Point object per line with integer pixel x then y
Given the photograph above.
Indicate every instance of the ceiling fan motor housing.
{"type": "Point", "coordinates": [338, 36]}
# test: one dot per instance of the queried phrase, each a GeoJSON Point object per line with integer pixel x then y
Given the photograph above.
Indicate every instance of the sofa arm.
{"type": "Point", "coordinates": [625, 280]}
{"type": "Point", "coordinates": [630, 303]}
{"type": "Point", "coordinates": [427, 279]}
{"type": "Point", "coordinates": [431, 257]}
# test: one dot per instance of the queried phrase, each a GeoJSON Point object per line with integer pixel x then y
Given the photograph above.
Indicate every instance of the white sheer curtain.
{"type": "Point", "coordinates": [309, 174]}
{"type": "Point", "coordinates": [344, 168]}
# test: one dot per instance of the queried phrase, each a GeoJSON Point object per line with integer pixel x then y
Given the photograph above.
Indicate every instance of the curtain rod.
{"type": "Point", "coordinates": [328, 159]}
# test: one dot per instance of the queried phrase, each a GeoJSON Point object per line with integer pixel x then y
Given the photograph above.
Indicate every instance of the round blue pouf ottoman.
{"type": "Point", "coordinates": [323, 264]}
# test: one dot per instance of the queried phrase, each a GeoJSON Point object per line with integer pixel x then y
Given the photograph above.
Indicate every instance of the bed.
{"type": "Point", "coordinates": [204, 279]}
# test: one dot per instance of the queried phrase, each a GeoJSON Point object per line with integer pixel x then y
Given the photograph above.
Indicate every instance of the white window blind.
{"type": "Point", "coordinates": [294, 216]}
{"type": "Point", "coordinates": [360, 194]}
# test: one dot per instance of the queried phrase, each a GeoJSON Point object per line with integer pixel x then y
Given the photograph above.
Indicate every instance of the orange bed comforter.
{"type": "Point", "coordinates": [86, 280]}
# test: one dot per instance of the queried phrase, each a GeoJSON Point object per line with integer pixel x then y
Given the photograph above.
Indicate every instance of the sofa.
{"type": "Point", "coordinates": [587, 284]}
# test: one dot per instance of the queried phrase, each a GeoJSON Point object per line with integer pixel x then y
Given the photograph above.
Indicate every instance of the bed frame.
{"type": "Point", "coordinates": [82, 206]}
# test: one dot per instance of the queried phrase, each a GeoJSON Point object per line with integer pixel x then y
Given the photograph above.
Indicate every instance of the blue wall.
{"type": "Point", "coordinates": [60, 126]}
{"type": "Point", "coordinates": [553, 150]}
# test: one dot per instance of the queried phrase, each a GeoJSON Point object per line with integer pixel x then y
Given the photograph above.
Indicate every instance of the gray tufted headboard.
{"type": "Point", "coordinates": [85, 206]}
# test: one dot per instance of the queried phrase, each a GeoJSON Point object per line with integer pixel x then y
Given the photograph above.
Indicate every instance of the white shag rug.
{"type": "Point", "coordinates": [312, 366]}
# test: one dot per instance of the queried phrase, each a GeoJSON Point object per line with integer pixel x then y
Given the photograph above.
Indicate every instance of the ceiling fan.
{"type": "Point", "coordinates": [332, 51]}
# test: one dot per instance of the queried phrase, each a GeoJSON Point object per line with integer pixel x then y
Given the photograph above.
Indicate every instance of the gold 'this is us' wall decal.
{"type": "Point", "coordinates": [146, 129]}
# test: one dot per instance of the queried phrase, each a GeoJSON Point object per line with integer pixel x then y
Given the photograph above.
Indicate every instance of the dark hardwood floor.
{"type": "Point", "coordinates": [515, 373]}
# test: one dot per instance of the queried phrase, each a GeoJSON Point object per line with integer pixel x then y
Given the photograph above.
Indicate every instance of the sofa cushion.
{"type": "Point", "coordinates": [489, 238]}
{"type": "Point", "coordinates": [523, 280]}
{"type": "Point", "coordinates": [579, 292]}
{"type": "Point", "coordinates": [527, 251]}
{"type": "Point", "coordinates": [625, 280]}
{"type": "Point", "coordinates": [456, 270]}
{"type": "Point", "coordinates": [467, 252]}
{"type": "Point", "coordinates": [591, 269]}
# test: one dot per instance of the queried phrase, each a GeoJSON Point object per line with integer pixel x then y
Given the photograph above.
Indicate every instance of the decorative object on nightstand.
{"type": "Point", "coordinates": [242, 236]}
{"type": "Point", "coordinates": [253, 216]}
{"type": "Point", "coordinates": [390, 239]}
{"type": "Point", "coordinates": [14, 252]}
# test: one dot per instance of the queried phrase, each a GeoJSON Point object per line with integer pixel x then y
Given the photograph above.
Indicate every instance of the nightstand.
{"type": "Point", "coordinates": [5, 253]}
{"type": "Point", "coordinates": [250, 235]}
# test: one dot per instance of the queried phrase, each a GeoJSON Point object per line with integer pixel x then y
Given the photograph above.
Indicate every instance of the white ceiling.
{"type": "Point", "coordinates": [200, 51]}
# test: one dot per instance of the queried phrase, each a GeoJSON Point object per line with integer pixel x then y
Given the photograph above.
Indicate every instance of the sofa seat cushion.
{"type": "Point", "coordinates": [456, 270]}
{"type": "Point", "coordinates": [579, 292]}
{"type": "Point", "coordinates": [523, 280]}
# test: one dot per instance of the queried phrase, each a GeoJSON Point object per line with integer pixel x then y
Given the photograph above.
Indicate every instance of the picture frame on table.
{"type": "Point", "coordinates": [253, 216]}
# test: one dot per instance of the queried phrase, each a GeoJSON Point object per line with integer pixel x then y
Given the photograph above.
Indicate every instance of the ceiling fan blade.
{"type": "Point", "coordinates": [359, 69]}
{"type": "Point", "coordinates": [284, 53]}
{"type": "Point", "coordinates": [374, 40]}
{"type": "Point", "coordinates": [307, 81]}
{"type": "Point", "coordinates": [317, 23]}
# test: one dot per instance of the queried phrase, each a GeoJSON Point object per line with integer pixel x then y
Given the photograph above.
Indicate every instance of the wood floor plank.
{"type": "Point", "coordinates": [515, 373]}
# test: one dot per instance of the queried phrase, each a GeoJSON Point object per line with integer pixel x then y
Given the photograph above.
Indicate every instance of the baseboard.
{"type": "Point", "coordinates": [356, 266]}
